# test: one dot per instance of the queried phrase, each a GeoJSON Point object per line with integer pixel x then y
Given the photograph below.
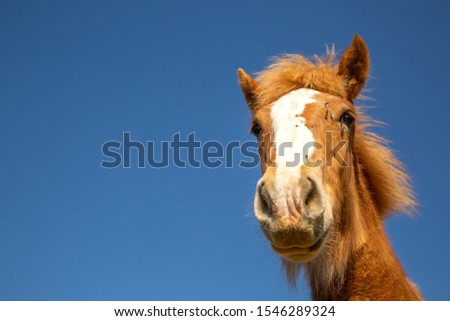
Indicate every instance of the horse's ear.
{"type": "Point", "coordinates": [354, 67]}
{"type": "Point", "coordinates": [248, 86]}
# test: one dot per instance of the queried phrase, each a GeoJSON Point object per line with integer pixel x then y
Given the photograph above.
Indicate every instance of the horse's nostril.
{"type": "Point", "coordinates": [310, 195]}
{"type": "Point", "coordinates": [265, 203]}
{"type": "Point", "coordinates": [312, 200]}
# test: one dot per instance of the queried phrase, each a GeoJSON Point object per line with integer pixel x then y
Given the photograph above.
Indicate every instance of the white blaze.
{"type": "Point", "coordinates": [292, 137]}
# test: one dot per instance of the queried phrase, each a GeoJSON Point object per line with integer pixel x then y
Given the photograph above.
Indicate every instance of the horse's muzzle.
{"type": "Point", "coordinates": [292, 215]}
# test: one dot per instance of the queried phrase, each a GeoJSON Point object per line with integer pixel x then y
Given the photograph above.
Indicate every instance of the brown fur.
{"type": "Point", "coordinates": [357, 262]}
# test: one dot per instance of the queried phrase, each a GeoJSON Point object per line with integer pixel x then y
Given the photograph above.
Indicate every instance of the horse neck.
{"type": "Point", "coordinates": [361, 264]}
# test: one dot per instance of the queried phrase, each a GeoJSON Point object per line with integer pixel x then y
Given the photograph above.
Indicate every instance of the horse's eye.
{"type": "Point", "coordinates": [256, 130]}
{"type": "Point", "coordinates": [347, 120]}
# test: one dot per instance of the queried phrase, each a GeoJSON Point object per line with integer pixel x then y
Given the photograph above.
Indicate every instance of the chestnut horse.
{"type": "Point", "coordinates": [327, 181]}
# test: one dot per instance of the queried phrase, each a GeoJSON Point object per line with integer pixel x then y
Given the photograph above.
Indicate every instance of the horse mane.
{"type": "Point", "coordinates": [290, 71]}
{"type": "Point", "coordinates": [388, 183]}
{"type": "Point", "coordinates": [386, 179]}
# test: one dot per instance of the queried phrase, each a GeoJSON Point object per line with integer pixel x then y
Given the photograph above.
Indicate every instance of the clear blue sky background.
{"type": "Point", "coordinates": [74, 75]}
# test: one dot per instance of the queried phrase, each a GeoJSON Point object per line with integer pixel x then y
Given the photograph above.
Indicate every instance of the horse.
{"type": "Point", "coordinates": [327, 182]}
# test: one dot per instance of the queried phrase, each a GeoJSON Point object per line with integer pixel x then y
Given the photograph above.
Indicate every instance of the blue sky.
{"type": "Point", "coordinates": [74, 75]}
